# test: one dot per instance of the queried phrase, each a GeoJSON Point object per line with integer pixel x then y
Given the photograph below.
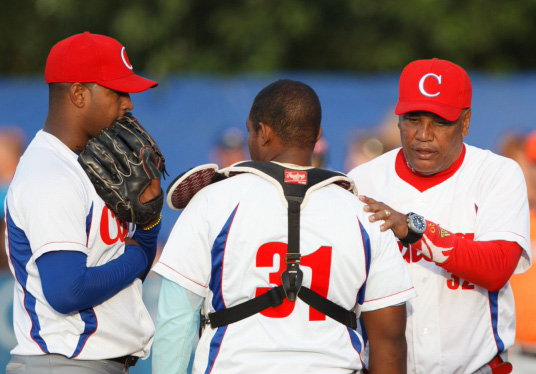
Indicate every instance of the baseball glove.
{"type": "Point", "coordinates": [121, 163]}
{"type": "Point", "coordinates": [187, 184]}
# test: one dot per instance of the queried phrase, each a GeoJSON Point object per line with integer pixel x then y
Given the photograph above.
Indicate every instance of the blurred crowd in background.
{"type": "Point", "coordinates": [521, 147]}
{"type": "Point", "coordinates": [12, 144]}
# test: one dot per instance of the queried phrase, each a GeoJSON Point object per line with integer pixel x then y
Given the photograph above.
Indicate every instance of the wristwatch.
{"type": "Point", "coordinates": [416, 227]}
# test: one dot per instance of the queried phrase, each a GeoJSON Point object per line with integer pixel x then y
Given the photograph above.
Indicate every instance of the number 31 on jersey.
{"type": "Point", "coordinates": [318, 261]}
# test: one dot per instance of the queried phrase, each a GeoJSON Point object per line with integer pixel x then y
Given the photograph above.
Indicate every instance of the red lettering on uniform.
{"type": "Point", "coordinates": [405, 251]}
{"type": "Point", "coordinates": [412, 255]}
{"type": "Point", "coordinates": [320, 263]}
{"type": "Point", "coordinates": [265, 258]}
{"type": "Point", "coordinates": [454, 283]}
{"type": "Point", "coordinates": [120, 232]}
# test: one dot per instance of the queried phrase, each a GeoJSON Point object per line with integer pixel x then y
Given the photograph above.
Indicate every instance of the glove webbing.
{"type": "Point", "coordinates": [292, 277]}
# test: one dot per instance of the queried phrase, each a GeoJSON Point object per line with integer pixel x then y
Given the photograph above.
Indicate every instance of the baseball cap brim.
{"type": "Point", "coordinates": [445, 111]}
{"type": "Point", "coordinates": [131, 83]}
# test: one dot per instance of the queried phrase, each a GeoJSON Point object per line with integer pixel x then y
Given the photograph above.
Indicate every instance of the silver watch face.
{"type": "Point", "coordinates": [416, 223]}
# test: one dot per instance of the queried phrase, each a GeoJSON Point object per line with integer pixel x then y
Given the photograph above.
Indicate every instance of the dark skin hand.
{"type": "Point", "coordinates": [150, 193]}
{"type": "Point", "coordinates": [395, 221]}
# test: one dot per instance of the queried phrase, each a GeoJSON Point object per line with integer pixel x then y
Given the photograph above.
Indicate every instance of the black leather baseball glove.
{"type": "Point", "coordinates": [121, 163]}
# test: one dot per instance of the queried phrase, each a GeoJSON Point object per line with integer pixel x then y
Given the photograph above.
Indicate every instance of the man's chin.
{"type": "Point", "coordinates": [424, 168]}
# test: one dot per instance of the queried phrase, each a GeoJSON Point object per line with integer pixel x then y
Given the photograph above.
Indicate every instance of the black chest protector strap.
{"type": "Point", "coordinates": [295, 185]}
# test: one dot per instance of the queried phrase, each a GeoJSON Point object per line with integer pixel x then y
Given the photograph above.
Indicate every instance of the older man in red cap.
{"type": "Point", "coordinates": [460, 214]}
{"type": "Point", "coordinates": [78, 306]}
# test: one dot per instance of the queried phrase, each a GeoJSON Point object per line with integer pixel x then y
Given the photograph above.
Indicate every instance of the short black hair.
{"type": "Point", "coordinates": [292, 109]}
{"type": "Point", "coordinates": [59, 89]}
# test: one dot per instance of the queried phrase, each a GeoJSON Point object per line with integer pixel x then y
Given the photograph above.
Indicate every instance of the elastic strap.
{"type": "Point", "coordinates": [328, 307]}
{"type": "Point", "coordinates": [273, 297]}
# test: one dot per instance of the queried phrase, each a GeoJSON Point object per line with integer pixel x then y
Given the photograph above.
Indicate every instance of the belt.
{"type": "Point", "coordinates": [127, 361]}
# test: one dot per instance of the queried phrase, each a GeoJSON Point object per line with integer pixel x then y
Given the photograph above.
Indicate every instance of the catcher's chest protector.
{"type": "Point", "coordinates": [295, 186]}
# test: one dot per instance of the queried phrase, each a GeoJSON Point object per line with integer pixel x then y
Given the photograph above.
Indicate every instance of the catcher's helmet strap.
{"type": "Point", "coordinates": [295, 185]}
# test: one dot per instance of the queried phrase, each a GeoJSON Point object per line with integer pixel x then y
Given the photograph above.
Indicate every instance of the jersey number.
{"type": "Point", "coordinates": [454, 283]}
{"type": "Point", "coordinates": [320, 263]}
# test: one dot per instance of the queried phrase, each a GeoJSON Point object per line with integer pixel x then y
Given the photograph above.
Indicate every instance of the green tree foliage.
{"type": "Point", "coordinates": [167, 36]}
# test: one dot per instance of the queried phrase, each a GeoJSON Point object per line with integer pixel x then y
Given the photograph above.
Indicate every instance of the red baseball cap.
{"type": "Point", "coordinates": [437, 86]}
{"type": "Point", "coordinates": [95, 58]}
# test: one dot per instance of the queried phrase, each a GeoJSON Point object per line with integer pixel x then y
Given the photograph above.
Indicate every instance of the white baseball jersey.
{"type": "Point", "coordinates": [455, 326]}
{"type": "Point", "coordinates": [52, 206]}
{"type": "Point", "coordinates": [228, 246]}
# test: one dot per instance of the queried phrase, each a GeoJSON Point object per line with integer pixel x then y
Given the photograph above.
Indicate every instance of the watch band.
{"type": "Point", "coordinates": [414, 234]}
{"type": "Point", "coordinates": [411, 238]}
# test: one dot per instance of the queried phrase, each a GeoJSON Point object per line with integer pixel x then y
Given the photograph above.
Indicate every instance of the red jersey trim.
{"type": "Point", "coordinates": [423, 182]}
{"type": "Point", "coordinates": [384, 297]}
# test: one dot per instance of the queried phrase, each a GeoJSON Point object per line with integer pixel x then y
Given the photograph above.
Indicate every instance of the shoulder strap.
{"type": "Point", "coordinates": [295, 185]}
{"type": "Point", "coordinates": [293, 182]}
{"type": "Point", "coordinates": [184, 187]}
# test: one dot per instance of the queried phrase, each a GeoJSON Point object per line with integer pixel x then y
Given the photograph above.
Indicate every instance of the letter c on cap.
{"type": "Point", "coordinates": [125, 58]}
{"type": "Point", "coordinates": [421, 84]}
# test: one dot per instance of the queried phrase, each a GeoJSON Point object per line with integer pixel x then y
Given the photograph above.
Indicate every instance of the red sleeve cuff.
{"type": "Point", "coordinates": [488, 264]}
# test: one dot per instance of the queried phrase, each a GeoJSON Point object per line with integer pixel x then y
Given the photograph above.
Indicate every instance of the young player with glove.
{"type": "Point", "coordinates": [76, 254]}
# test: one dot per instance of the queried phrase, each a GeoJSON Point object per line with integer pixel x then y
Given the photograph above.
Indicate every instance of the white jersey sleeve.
{"type": "Point", "coordinates": [185, 258]}
{"type": "Point", "coordinates": [50, 210]}
{"type": "Point", "coordinates": [500, 206]}
{"type": "Point", "coordinates": [388, 281]}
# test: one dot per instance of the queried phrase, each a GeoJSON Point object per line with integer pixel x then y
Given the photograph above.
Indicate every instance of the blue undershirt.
{"type": "Point", "coordinates": [69, 285]}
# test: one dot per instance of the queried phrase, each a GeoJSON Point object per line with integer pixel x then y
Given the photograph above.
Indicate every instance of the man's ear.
{"type": "Point", "coordinates": [466, 122]}
{"type": "Point", "coordinates": [79, 94]}
{"type": "Point", "coordinates": [319, 133]}
{"type": "Point", "coordinates": [266, 134]}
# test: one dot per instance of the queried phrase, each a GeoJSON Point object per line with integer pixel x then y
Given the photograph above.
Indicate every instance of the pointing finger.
{"type": "Point", "coordinates": [366, 199]}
